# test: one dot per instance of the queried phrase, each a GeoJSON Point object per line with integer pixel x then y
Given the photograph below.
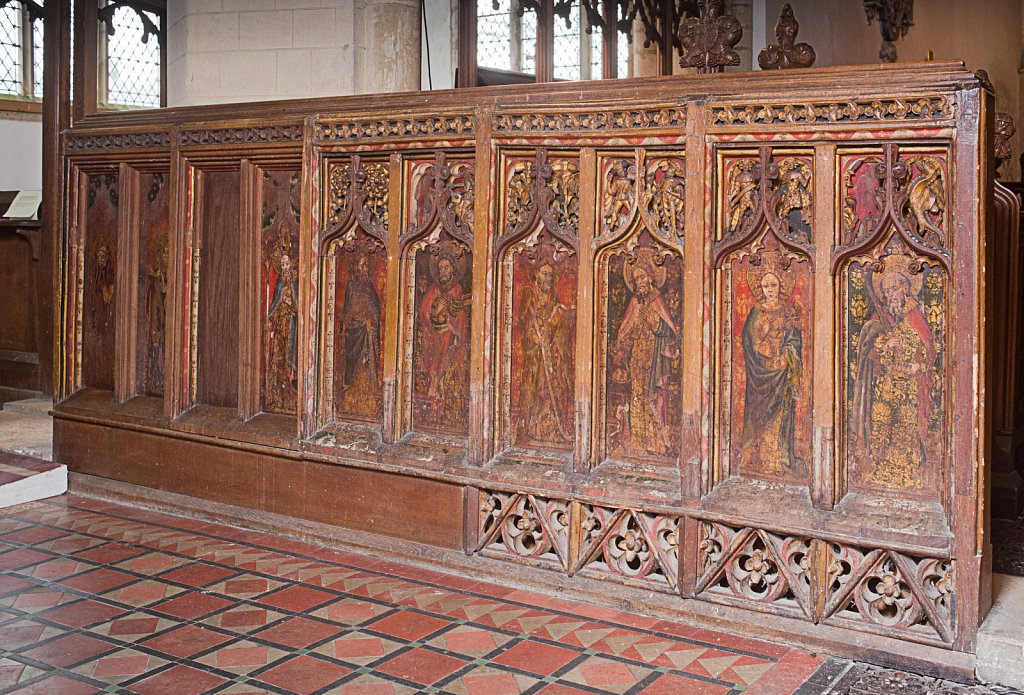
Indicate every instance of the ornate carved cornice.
{"type": "Point", "coordinates": [405, 127]}
{"type": "Point", "coordinates": [605, 120]}
{"type": "Point", "coordinates": [833, 112]}
{"type": "Point", "coordinates": [120, 141]}
{"type": "Point", "coordinates": [234, 136]}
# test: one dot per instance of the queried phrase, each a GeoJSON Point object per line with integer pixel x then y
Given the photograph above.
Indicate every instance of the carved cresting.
{"type": "Point", "coordinates": [786, 53]}
{"type": "Point", "coordinates": [708, 41]}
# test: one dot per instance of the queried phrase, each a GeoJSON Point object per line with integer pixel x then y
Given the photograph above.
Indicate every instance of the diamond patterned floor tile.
{"type": "Point", "coordinates": [144, 602]}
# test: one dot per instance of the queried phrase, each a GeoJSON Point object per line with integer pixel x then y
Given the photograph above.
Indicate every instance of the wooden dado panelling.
{"type": "Point", "coordinates": [728, 348]}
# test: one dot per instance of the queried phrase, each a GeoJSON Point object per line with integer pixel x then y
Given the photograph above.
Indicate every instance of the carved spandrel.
{"type": "Point", "coordinates": [894, 189]}
{"type": "Point", "coordinates": [663, 197]}
{"type": "Point", "coordinates": [356, 193]}
{"type": "Point", "coordinates": [280, 290]}
{"type": "Point", "coordinates": [895, 326]}
{"type": "Point", "coordinates": [786, 53]}
{"type": "Point", "coordinates": [618, 195]}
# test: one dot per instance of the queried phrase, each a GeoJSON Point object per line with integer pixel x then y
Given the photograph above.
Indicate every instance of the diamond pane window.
{"type": "Point", "coordinates": [37, 58]}
{"type": "Point", "coordinates": [494, 35]}
{"type": "Point", "coordinates": [133, 66]}
{"type": "Point", "coordinates": [528, 42]}
{"type": "Point", "coordinates": [596, 47]}
{"type": "Point", "coordinates": [567, 46]}
{"type": "Point", "coordinates": [624, 49]}
{"type": "Point", "coordinates": [10, 49]}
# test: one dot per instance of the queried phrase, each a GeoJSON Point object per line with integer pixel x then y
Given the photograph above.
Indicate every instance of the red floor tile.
{"type": "Point", "coordinates": [9, 583]}
{"type": "Point", "coordinates": [186, 641]}
{"type": "Point", "coordinates": [21, 557]}
{"type": "Point", "coordinates": [68, 650]}
{"type": "Point", "coordinates": [82, 613]}
{"type": "Point", "coordinates": [408, 625]}
{"type": "Point", "coordinates": [304, 674]}
{"type": "Point", "coordinates": [98, 581]}
{"type": "Point", "coordinates": [297, 632]}
{"type": "Point", "coordinates": [192, 605]}
{"type": "Point", "coordinates": [32, 535]}
{"type": "Point", "coordinates": [20, 634]}
{"type": "Point", "coordinates": [197, 575]}
{"type": "Point", "coordinates": [297, 598]}
{"type": "Point", "coordinates": [670, 684]}
{"type": "Point", "coordinates": [180, 680]}
{"type": "Point", "coordinates": [535, 657]}
{"type": "Point", "coordinates": [421, 666]}
{"type": "Point", "coordinates": [110, 553]}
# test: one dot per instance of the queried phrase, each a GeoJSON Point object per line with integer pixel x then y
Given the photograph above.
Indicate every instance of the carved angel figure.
{"type": "Point", "coordinates": [742, 194]}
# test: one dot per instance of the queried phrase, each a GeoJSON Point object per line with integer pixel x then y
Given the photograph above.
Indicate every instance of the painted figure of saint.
{"type": "Point", "coordinates": [892, 399]}
{"type": "Point", "coordinates": [647, 342]}
{"type": "Point", "coordinates": [156, 298]}
{"type": "Point", "coordinates": [282, 340]}
{"type": "Point", "coordinates": [545, 412]}
{"type": "Point", "coordinates": [361, 388]}
{"type": "Point", "coordinates": [444, 334]}
{"type": "Point", "coordinates": [773, 362]}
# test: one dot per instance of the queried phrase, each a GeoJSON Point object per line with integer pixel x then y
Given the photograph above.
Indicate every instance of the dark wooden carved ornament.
{"type": "Point", "coordinates": [708, 41]}
{"type": "Point", "coordinates": [787, 53]}
{"type": "Point", "coordinates": [895, 18]}
{"type": "Point", "coordinates": [1005, 128]}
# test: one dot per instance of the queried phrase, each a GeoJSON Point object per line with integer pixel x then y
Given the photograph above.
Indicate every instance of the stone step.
{"type": "Point", "coordinates": [26, 479]}
{"type": "Point", "coordinates": [40, 407]}
{"type": "Point", "coordinates": [1000, 656]}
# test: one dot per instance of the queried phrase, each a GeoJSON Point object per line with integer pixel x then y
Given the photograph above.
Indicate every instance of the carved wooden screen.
{"type": "Point", "coordinates": [728, 350]}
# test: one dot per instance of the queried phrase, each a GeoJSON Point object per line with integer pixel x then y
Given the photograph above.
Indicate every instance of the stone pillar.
{"type": "Point", "coordinates": [388, 54]}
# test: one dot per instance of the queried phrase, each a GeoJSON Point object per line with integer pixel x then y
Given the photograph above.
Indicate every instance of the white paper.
{"type": "Point", "coordinates": [25, 205]}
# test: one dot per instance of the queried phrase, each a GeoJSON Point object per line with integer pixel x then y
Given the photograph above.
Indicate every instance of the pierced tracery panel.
{"type": "Point", "coordinates": [629, 545]}
{"type": "Point", "coordinates": [755, 567]}
{"type": "Point", "coordinates": [528, 527]}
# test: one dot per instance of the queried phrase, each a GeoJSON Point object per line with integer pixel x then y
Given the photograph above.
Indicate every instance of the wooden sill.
{"type": "Point", "coordinates": [12, 105]}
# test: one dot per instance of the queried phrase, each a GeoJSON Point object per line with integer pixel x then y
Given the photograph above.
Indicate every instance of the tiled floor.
{"type": "Point", "coordinates": [96, 596]}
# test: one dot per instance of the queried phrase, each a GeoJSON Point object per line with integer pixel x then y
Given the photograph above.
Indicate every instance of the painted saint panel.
{"type": "Point", "coordinates": [642, 296]}
{"type": "Point", "coordinates": [99, 281]}
{"type": "Point", "coordinates": [767, 345]}
{"type": "Point", "coordinates": [441, 320]}
{"type": "Point", "coordinates": [541, 319]}
{"type": "Point", "coordinates": [359, 266]}
{"type": "Point", "coordinates": [153, 281]}
{"type": "Point", "coordinates": [280, 289]}
{"type": "Point", "coordinates": [896, 371]}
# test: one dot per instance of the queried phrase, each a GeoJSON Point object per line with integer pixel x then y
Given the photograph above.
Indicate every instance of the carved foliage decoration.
{"type": "Point", "coordinates": [438, 288]}
{"type": "Point", "coordinates": [640, 271]}
{"type": "Point", "coordinates": [632, 545]}
{"type": "Point", "coordinates": [764, 259]}
{"type": "Point", "coordinates": [280, 289]}
{"type": "Point", "coordinates": [887, 590]}
{"type": "Point", "coordinates": [354, 288]}
{"type": "Point", "coordinates": [603, 120]}
{"type": "Point", "coordinates": [99, 270]}
{"type": "Point", "coordinates": [786, 53]}
{"type": "Point", "coordinates": [834, 112]}
{"type": "Point", "coordinates": [153, 281]}
{"type": "Point", "coordinates": [538, 276]}
{"type": "Point", "coordinates": [708, 42]}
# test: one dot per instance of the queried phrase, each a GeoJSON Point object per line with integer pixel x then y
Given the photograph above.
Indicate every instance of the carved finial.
{"type": "Point", "coordinates": [707, 42]}
{"type": "Point", "coordinates": [787, 53]}
{"type": "Point", "coordinates": [1005, 128]}
{"type": "Point", "coordinates": [894, 19]}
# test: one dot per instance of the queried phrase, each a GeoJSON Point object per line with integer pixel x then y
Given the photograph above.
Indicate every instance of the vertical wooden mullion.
{"type": "Point", "coordinates": [309, 270]}
{"type": "Point", "coordinates": [610, 40]}
{"type": "Point", "coordinates": [692, 476]}
{"type": "Point", "coordinates": [184, 242]}
{"type": "Point", "coordinates": [250, 325]}
{"type": "Point", "coordinates": [585, 406]}
{"type": "Point", "coordinates": [482, 318]}
{"type": "Point", "coordinates": [126, 300]}
{"type": "Point", "coordinates": [824, 468]}
{"type": "Point", "coordinates": [467, 44]}
{"type": "Point", "coordinates": [689, 541]}
{"type": "Point", "coordinates": [391, 425]}
{"type": "Point", "coordinates": [86, 81]}
{"type": "Point", "coordinates": [545, 53]}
